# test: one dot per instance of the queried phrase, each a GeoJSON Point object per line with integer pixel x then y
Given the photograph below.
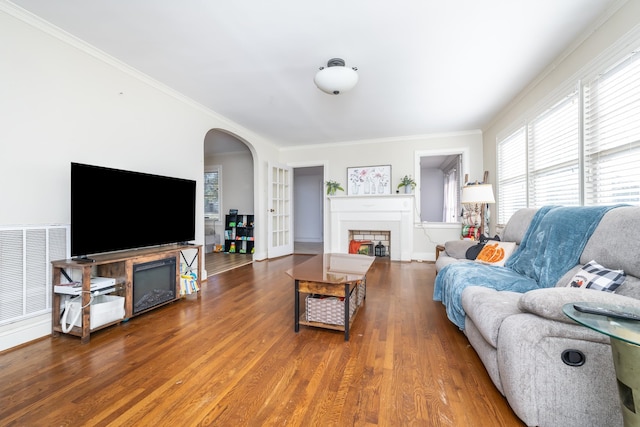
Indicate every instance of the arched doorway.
{"type": "Point", "coordinates": [229, 184]}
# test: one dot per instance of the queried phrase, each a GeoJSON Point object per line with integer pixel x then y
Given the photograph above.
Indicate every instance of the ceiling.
{"type": "Point", "coordinates": [425, 66]}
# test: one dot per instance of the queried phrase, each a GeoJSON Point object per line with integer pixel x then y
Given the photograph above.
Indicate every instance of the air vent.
{"type": "Point", "coordinates": [25, 268]}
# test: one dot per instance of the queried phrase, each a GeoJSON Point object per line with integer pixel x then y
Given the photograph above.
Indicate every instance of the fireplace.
{"type": "Point", "coordinates": [374, 236]}
{"type": "Point", "coordinates": [392, 213]}
{"type": "Point", "coordinates": [154, 283]}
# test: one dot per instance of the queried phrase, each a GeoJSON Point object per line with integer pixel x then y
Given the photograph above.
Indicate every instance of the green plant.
{"type": "Point", "coordinates": [407, 181]}
{"type": "Point", "coordinates": [333, 186]}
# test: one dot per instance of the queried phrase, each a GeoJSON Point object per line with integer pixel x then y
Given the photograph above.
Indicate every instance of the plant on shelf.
{"type": "Point", "coordinates": [408, 183]}
{"type": "Point", "coordinates": [332, 187]}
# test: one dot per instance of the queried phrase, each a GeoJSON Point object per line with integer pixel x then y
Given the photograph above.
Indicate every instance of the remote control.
{"type": "Point", "coordinates": [606, 312]}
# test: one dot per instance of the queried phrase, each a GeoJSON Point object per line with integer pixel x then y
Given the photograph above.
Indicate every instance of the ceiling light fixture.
{"type": "Point", "coordinates": [335, 77]}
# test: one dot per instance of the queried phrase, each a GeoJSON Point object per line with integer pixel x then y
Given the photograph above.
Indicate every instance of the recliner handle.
{"type": "Point", "coordinates": [573, 357]}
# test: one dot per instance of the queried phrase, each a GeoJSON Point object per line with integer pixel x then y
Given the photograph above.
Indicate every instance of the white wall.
{"type": "Point", "coordinates": [63, 101]}
{"type": "Point", "coordinates": [403, 154]}
{"type": "Point", "coordinates": [237, 181]}
{"type": "Point", "coordinates": [590, 47]}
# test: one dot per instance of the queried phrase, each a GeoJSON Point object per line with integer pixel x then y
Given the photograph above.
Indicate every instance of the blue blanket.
{"type": "Point", "coordinates": [551, 246]}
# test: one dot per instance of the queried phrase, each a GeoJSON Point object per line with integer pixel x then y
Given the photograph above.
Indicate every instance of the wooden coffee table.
{"type": "Point", "coordinates": [331, 275]}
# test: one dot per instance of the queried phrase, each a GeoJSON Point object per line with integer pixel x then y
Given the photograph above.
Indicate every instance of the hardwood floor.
{"type": "Point", "coordinates": [231, 358]}
{"type": "Point", "coordinates": [219, 262]}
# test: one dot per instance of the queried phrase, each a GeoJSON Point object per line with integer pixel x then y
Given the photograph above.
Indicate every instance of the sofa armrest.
{"type": "Point", "coordinates": [458, 248]}
{"type": "Point", "coordinates": [548, 302]}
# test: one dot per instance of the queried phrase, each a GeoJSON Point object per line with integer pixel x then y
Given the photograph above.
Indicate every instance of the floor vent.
{"type": "Point", "coordinates": [25, 268]}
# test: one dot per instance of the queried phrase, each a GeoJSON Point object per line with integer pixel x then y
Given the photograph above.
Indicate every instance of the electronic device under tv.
{"type": "Point", "coordinates": [113, 209]}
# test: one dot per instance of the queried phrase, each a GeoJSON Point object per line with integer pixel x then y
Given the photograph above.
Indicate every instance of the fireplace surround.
{"type": "Point", "coordinates": [392, 213]}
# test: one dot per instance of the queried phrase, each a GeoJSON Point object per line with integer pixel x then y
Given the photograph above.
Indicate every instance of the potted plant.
{"type": "Point", "coordinates": [408, 183]}
{"type": "Point", "coordinates": [332, 187]}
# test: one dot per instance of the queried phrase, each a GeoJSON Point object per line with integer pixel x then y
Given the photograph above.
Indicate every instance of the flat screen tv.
{"type": "Point", "coordinates": [114, 209]}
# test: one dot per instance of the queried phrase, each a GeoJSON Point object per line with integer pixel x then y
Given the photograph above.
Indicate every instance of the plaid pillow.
{"type": "Point", "coordinates": [594, 276]}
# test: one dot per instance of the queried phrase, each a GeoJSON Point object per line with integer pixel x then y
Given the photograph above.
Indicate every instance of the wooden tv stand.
{"type": "Point", "coordinates": [117, 265]}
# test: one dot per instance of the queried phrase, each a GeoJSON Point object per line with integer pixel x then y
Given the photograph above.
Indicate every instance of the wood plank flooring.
{"type": "Point", "coordinates": [231, 358]}
{"type": "Point", "coordinates": [219, 262]}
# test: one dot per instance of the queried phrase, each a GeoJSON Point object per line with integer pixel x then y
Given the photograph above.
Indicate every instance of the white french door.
{"type": "Point", "coordinates": [280, 223]}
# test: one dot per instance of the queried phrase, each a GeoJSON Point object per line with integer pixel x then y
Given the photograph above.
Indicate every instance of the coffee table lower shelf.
{"type": "Point", "coordinates": [303, 321]}
{"type": "Point", "coordinates": [343, 291]}
{"type": "Point", "coordinates": [341, 276]}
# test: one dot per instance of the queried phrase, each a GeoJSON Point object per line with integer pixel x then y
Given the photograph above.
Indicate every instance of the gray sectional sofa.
{"type": "Point", "coordinates": [523, 337]}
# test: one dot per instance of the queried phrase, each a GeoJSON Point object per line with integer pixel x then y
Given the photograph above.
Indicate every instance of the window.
{"type": "Point", "coordinates": [212, 193]}
{"type": "Point", "coordinates": [451, 205]}
{"type": "Point", "coordinates": [583, 148]}
{"type": "Point", "coordinates": [439, 187]}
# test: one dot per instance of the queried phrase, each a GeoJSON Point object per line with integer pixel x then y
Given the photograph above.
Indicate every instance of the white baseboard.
{"type": "Point", "coordinates": [17, 333]}
{"type": "Point", "coordinates": [423, 256]}
{"type": "Point", "coordinates": [309, 239]}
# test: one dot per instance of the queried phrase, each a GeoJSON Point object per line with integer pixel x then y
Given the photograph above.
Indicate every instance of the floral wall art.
{"type": "Point", "coordinates": [369, 180]}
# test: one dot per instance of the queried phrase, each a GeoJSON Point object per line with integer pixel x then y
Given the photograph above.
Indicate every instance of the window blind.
{"type": "Point", "coordinates": [212, 194]}
{"type": "Point", "coordinates": [583, 145]}
{"type": "Point", "coordinates": [512, 174]}
{"type": "Point", "coordinates": [554, 155]}
{"type": "Point", "coordinates": [612, 134]}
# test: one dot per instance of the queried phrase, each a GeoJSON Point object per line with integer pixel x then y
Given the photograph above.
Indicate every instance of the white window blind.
{"type": "Point", "coordinates": [583, 146]}
{"type": "Point", "coordinates": [554, 154]}
{"type": "Point", "coordinates": [212, 193]}
{"type": "Point", "coordinates": [612, 134]}
{"type": "Point", "coordinates": [512, 174]}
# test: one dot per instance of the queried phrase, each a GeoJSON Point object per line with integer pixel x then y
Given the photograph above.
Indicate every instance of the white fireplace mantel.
{"type": "Point", "coordinates": [393, 213]}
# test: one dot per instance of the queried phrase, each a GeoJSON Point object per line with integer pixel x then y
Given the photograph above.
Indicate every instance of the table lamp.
{"type": "Point", "coordinates": [478, 194]}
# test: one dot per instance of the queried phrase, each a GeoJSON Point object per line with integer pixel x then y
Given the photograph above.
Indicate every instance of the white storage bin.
{"type": "Point", "coordinates": [104, 309]}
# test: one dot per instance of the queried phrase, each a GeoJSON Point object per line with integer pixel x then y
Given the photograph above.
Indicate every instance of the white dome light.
{"type": "Point", "coordinates": [335, 77]}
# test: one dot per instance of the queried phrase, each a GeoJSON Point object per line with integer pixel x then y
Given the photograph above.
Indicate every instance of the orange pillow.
{"type": "Point", "coordinates": [496, 253]}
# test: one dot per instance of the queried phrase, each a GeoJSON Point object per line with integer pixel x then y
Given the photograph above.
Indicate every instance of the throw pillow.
{"type": "Point", "coordinates": [496, 253]}
{"type": "Point", "coordinates": [473, 251]}
{"type": "Point", "coordinates": [594, 276]}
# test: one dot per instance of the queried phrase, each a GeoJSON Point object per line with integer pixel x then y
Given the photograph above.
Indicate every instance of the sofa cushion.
{"type": "Point", "coordinates": [630, 287]}
{"type": "Point", "coordinates": [496, 253]}
{"type": "Point", "coordinates": [594, 276]}
{"type": "Point", "coordinates": [615, 243]}
{"type": "Point", "coordinates": [487, 308]}
{"type": "Point", "coordinates": [518, 225]}
{"type": "Point", "coordinates": [458, 248]}
{"type": "Point", "coordinates": [444, 260]}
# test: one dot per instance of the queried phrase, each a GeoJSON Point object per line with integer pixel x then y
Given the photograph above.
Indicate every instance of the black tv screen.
{"type": "Point", "coordinates": [114, 209]}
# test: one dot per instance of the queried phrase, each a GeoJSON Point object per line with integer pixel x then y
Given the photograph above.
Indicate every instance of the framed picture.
{"type": "Point", "coordinates": [369, 180]}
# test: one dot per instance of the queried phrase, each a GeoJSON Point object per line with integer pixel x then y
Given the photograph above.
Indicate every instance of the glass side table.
{"type": "Point", "coordinates": [625, 347]}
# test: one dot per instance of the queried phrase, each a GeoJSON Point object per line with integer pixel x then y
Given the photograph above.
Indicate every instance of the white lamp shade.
{"type": "Point", "coordinates": [477, 193]}
{"type": "Point", "coordinates": [336, 79]}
